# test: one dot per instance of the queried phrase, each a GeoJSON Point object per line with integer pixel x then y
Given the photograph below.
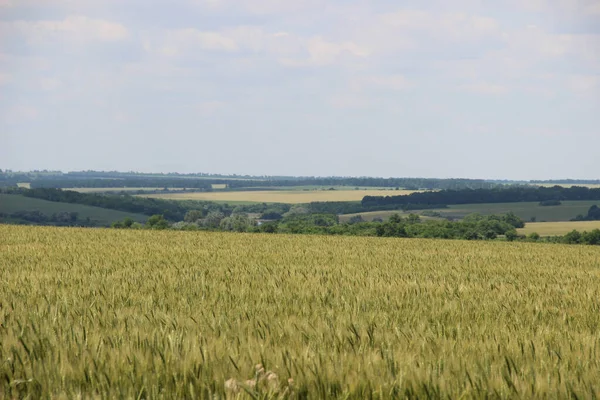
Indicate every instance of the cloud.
{"type": "Point", "coordinates": [50, 84]}
{"type": "Point", "coordinates": [584, 83]}
{"type": "Point", "coordinates": [348, 101]}
{"type": "Point", "coordinates": [209, 108]}
{"type": "Point", "coordinates": [261, 7]}
{"type": "Point", "coordinates": [5, 78]}
{"type": "Point", "coordinates": [72, 28]}
{"type": "Point", "coordinates": [20, 113]}
{"type": "Point", "coordinates": [285, 48]}
{"type": "Point", "coordinates": [486, 88]}
{"type": "Point", "coordinates": [188, 38]}
{"type": "Point", "coordinates": [321, 52]}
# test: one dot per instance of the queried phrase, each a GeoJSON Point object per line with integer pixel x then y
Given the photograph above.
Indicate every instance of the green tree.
{"type": "Point", "coordinates": [193, 216]}
{"type": "Point", "coordinates": [157, 222]}
{"type": "Point", "coordinates": [573, 237]}
{"type": "Point", "coordinates": [511, 235]}
{"type": "Point", "coordinates": [534, 236]}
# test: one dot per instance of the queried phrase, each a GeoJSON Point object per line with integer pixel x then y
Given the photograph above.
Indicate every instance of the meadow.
{"type": "Point", "coordinates": [280, 196]}
{"type": "Point", "coordinates": [160, 314]}
{"type": "Point", "coordinates": [525, 210]}
{"type": "Point", "coordinates": [10, 203]}
{"type": "Point", "coordinates": [558, 228]}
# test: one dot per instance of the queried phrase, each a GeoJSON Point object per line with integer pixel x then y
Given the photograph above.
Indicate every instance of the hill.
{"type": "Point", "coordinates": [12, 203]}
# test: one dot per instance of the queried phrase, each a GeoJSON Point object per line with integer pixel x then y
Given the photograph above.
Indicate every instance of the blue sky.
{"type": "Point", "coordinates": [468, 88]}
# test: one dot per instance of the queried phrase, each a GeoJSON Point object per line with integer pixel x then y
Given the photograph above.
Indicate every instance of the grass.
{"type": "Point", "coordinates": [279, 196]}
{"type": "Point", "coordinates": [565, 212]}
{"type": "Point", "coordinates": [10, 203]}
{"type": "Point", "coordinates": [147, 314]}
{"type": "Point", "coordinates": [559, 228]}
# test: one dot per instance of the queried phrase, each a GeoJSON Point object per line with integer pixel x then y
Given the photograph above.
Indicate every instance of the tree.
{"type": "Point", "coordinates": [157, 222]}
{"type": "Point", "coordinates": [514, 220]}
{"type": "Point", "coordinates": [573, 237]}
{"type": "Point", "coordinates": [413, 219]}
{"type": "Point", "coordinates": [534, 236]}
{"type": "Point", "coordinates": [213, 219]}
{"type": "Point", "coordinates": [237, 223]}
{"type": "Point", "coordinates": [511, 235]}
{"type": "Point", "coordinates": [355, 219]}
{"type": "Point", "coordinates": [395, 219]}
{"type": "Point", "coordinates": [193, 216]}
{"type": "Point", "coordinates": [592, 237]}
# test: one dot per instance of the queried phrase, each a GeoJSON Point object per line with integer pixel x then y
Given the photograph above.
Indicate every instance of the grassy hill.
{"type": "Point", "coordinates": [11, 203]}
{"type": "Point", "coordinates": [565, 212]}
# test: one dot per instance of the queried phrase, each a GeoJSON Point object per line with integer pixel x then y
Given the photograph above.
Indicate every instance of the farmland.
{"type": "Point", "coordinates": [117, 189]}
{"type": "Point", "coordinates": [280, 196]}
{"type": "Point", "coordinates": [565, 212]}
{"type": "Point", "coordinates": [526, 210]}
{"type": "Point", "coordinates": [13, 203]}
{"type": "Point", "coordinates": [149, 314]}
{"type": "Point", "coordinates": [559, 228]}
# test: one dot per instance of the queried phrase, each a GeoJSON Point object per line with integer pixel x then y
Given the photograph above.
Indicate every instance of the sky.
{"type": "Point", "coordinates": [506, 89]}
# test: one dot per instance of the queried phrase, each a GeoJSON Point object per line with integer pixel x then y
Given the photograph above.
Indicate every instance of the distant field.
{"type": "Point", "coordinates": [25, 185]}
{"type": "Point", "coordinates": [590, 185]}
{"type": "Point", "coordinates": [565, 212]}
{"type": "Point", "coordinates": [10, 203]}
{"type": "Point", "coordinates": [117, 189]}
{"type": "Point", "coordinates": [283, 196]}
{"type": "Point", "coordinates": [558, 228]}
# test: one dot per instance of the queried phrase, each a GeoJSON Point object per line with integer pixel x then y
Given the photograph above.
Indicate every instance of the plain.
{"type": "Point", "coordinates": [149, 314]}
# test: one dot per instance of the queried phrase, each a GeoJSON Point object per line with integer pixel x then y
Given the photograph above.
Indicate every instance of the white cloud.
{"type": "Point", "coordinates": [20, 113]}
{"type": "Point", "coordinates": [71, 28]}
{"type": "Point", "coordinates": [286, 48]}
{"type": "Point", "coordinates": [50, 84]}
{"type": "Point", "coordinates": [348, 101]}
{"type": "Point", "coordinates": [486, 88]}
{"type": "Point", "coordinates": [209, 108]}
{"type": "Point", "coordinates": [186, 38]}
{"type": "Point", "coordinates": [5, 78]}
{"type": "Point", "coordinates": [584, 83]}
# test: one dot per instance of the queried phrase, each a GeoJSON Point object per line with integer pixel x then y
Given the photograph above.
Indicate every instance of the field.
{"type": "Point", "coordinates": [589, 185]}
{"type": "Point", "coordinates": [132, 189]}
{"type": "Point", "coordinates": [281, 196]}
{"type": "Point", "coordinates": [565, 212]}
{"type": "Point", "coordinates": [152, 314]}
{"type": "Point", "coordinates": [117, 189]}
{"type": "Point", "coordinates": [10, 203]}
{"type": "Point", "coordinates": [559, 228]}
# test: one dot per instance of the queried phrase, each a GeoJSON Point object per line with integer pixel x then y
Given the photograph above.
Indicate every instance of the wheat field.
{"type": "Point", "coordinates": [162, 314]}
{"type": "Point", "coordinates": [558, 228]}
{"type": "Point", "coordinates": [280, 196]}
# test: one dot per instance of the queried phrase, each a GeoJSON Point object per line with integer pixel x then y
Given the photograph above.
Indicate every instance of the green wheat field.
{"type": "Point", "coordinates": [146, 314]}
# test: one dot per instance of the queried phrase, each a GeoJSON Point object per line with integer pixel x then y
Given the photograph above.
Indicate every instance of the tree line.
{"type": "Point", "coordinates": [95, 179]}
{"type": "Point", "coordinates": [510, 194]}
